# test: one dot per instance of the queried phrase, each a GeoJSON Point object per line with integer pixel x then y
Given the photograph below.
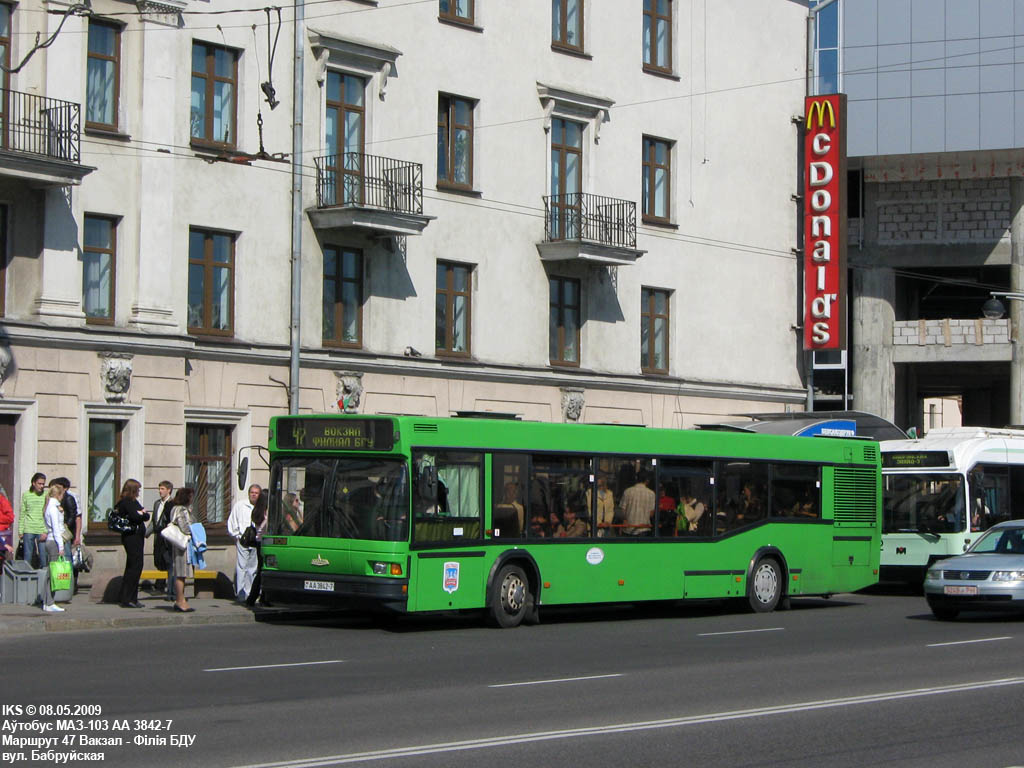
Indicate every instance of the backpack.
{"type": "Point", "coordinates": [118, 522]}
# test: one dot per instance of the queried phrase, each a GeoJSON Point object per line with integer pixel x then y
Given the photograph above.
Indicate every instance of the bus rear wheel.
{"type": "Point", "coordinates": [510, 597]}
{"type": "Point", "coordinates": [765, 586]}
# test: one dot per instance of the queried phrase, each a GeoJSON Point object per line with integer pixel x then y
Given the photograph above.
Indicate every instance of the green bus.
{"type": "Point", "coordinates": [415, 514]}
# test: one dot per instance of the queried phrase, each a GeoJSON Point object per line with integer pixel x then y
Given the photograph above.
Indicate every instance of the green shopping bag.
{"type": "Point", "coordinates": [60, 574]}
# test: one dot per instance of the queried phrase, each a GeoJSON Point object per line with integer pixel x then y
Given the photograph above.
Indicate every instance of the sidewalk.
{"type": "Point", "coordinates": [82, 614]}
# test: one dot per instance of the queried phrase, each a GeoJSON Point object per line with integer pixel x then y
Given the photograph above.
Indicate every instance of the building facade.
{"type": "Point", "coordinates": [573, 210]}
{"type": "Point", "coordinates": [936, 157]}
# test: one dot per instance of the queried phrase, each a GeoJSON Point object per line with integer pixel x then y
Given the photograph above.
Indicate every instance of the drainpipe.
{"type": "Point", "coordinates": [296, 300]}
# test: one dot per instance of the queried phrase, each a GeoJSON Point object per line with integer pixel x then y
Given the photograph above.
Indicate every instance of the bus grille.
{"type": "Point", "coordinates": [856, 496]}
{"type": "Point", "coordinates": [424, 427]}
{"type": "Point", "coordinates": [871, 453]}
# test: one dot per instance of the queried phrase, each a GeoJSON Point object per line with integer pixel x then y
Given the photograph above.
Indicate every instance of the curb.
{"type": "Point", "coordinates": [41, 624]}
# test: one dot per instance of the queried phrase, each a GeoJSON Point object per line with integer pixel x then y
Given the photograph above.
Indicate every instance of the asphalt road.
{"type": "Point", "coordinates": [859, 680]}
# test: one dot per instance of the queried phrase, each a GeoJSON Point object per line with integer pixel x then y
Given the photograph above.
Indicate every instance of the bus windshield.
{"type": "Point", "coordinates": [342, 498]}
{"type": "Point", "coordinates": [923, 503]}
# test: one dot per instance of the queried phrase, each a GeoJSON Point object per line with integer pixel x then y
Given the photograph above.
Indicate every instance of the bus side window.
{"type": "Point", "coordinates": [508, 501]}
{"type": "Point", "coordinates": [451, 509]}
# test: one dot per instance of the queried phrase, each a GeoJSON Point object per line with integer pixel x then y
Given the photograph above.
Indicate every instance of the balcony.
{"type": "Point", "coordinates": [590, 228]}
{"type": "Point", "coordinates": [375, 196]}
{"type": "Point", "coordinates": [40, 140]}
{"type": "Point", "coordinates": [951, 340]}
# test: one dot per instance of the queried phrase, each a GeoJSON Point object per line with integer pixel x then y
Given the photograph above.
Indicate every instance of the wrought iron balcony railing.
{"type": "Point", "coordinates": [356, 179]}
{"type": "Point", "coordinates": [582, 216]}
{"type": "Point", "coordinates": [40, 126]}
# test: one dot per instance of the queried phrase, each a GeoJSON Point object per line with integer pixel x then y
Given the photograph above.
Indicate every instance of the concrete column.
{"type": "Point", "coordinates": [871, 322]}
{"type": "Point", "coordinates": [1015, 309]}
{"type": "Point", "coordinates": [162, 262]}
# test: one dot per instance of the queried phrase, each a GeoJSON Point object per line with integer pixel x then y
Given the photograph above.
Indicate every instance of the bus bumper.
{"type": "Point", "coordinates": [366, 592]}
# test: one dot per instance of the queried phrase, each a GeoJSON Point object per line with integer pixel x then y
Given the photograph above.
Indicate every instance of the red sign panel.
{"type": "Point", "coordinates": [825, 222]}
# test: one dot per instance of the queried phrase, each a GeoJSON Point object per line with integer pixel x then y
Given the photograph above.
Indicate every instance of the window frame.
{"type": "Point", "coordinates": [117, 455]}
{"type": "Point", "coordinates": [339, 281]}
{"type": "Point", "coordinates": [655, 17]}
{"type": "Point", "coordinates": [208, 264]}
{"type": "Point", "coordinates": [204, 457]}
{"type": "Point", "coordinates": [116, 60]}
{"type": "Point", "coordinates": [5, 80]}
{"type": "Point", "coordinates": [648, 304]}
{"type": "Point", "coordinates": [452, 16]}
{"type": "Point", "coordinates": [446, 127]}
{"type": "Point", "coordinates": [650, 166]}
{"type": "Point", "coordinates": [210, 78]}
{"type": "Point", "coordinates": [560, 308]}
{"type": "Point", "coordinates": [559, 43]}
{"type": "Point", "coordinates": [450, 293]}
{"type": "Point", "coordinates": [112, 221]}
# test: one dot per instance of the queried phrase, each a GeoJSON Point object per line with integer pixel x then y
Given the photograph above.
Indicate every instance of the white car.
{"type": "Point", "coordinates": [988, 576]}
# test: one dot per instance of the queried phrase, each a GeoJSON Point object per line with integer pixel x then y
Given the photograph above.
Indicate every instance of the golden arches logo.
{"type": "Point", "coordinates": [819, 109]}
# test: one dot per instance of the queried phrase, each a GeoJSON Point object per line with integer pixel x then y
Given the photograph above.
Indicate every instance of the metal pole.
{"type": "Point", "coordinates": [296, 300]}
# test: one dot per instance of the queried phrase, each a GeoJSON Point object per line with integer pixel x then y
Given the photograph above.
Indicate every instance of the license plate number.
{"type": "Point", "coordinates": [320, 586]}
{"type": "Point", "coordinates": [960, 590]}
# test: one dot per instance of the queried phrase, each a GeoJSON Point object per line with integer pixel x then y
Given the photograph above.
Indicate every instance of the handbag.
{"type": "Point", "coordinates": [248, 537]}
{"type": "Point", "coordinates": [174, 535]}
{"type": "Point", "coordinates": [118, 522]}
{"type": "Point", "coordinates": [60, 574]}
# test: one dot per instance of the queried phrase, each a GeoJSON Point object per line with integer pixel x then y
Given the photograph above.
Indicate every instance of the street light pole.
{"type": "Point", "coordinates": [296, 299]}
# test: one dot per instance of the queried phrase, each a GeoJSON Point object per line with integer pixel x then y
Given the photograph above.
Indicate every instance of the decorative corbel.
{"type": "Point", "coordinates": [322, 55]}
{"type": "Point", "coordinates": [549, 107]}
{"type": "Point", "coordinates": [385, 73]}
{"type": "Point", "coordinates": [601, 117]}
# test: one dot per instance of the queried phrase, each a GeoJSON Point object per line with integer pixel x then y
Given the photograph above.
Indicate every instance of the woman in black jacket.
{"type": "Point", "coordinates": [133, 541]}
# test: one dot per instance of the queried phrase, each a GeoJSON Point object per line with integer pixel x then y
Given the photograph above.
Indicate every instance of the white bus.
{"type": "Point", "coordinates": [941, 491]}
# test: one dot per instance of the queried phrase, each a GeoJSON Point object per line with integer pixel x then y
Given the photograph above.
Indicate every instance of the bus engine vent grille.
{"type": "Point", "coordinates": [856, 496]}
{"type": "Point", "coordinates": [871, 453]}
{"type": "Point", "coordinates": [424, 427]}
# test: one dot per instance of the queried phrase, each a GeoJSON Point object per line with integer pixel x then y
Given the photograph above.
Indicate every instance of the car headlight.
{"type": "Point", "coordinates": [1007, 575]}
{"type": "Point", "coordinates": [933, 574]}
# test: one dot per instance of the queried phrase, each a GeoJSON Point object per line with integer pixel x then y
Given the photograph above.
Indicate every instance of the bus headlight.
{"type": "Point", "coordinates": [1007, 575]}
{"type": "Point", "coordinates": [386, 569]}
{"type": "Point", "coordinates": [380, 568]}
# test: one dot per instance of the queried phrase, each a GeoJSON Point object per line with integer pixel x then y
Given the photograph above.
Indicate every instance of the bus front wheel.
{"type": "Point", "coordinates": [765, 586]}
{"type": "Point", "coordinates": [510, 597]}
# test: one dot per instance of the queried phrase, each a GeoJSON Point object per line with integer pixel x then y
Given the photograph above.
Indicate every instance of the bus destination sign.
{"type": "Point", "coordinates": [335, 434]}
{"type": "Point", "coordinates": [909, 459]}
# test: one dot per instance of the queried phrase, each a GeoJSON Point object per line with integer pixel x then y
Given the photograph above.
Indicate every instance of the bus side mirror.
{"type": "Point", "coordinates": [243, 472]}
{"type": "Point", "coordinates": [426, 484]}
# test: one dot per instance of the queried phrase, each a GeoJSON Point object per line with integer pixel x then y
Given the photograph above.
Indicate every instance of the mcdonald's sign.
{"type": "Point", "coordinates": [824, 188]}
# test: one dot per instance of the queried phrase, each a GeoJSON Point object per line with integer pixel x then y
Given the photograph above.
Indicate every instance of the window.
{"type": "Point", "coordinates": [685, 495]}
{"type": "Point", "coordinates": [99, 255]}
{"type": "Point", "coordinates": [558, 498]}
{"type": "Point", "coordinates": [454, 142]}
{"type": "Point", "coordinates": [566, 179]}
{"type": "Point", "coordinates": [509, 482]}
{"type": "Point", "coordinates": [631, 482]}
{"type": "Point", "coordinates": [564, 321]}
{"type": "Point", "coordinates": [454, 287]}
{"type": "Point", "coordinates": [211, 283]}
{"type": "Point", "coordinates": [742, 490]}
{"type": "Point", "coordinates": [344, 134]}
{"type": "Point", "coordinates": [654, 330]}
{"type": "Point", "coordinates": [214, 89]}
{"type": "Point", "coordinates": [826, 45]}
{"type": "Point", "coordinates": [795, 491]}
{"type": "Point", "coordinates": [457, 10]}
{"type": "Point", "coordinates": [448, 496]}
{"type": "Point", "coordinates": [104, 469]}
{"type": "Point", "coordinates": [658, 35]}
{"type": "Point", "coordinates": [103, 75]}
{"type": "Point", "coordinates": [343, 297]}
{"type": "Point", "coordinates": [657, 175]}
{"type": "Point", "coordinates": [567, 24]}
{"type": "Point", "coordinates": [208, 471]}
{"type": "Point", "coordinates": [5, 59]}
{"type": "Point", "coordinates": [3, 260]}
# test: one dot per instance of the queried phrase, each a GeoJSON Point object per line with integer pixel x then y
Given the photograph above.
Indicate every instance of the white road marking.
{"type": "Point", "coordinates": [603, 730]}
{"type": "Point", "coordinates": [968, 642]}
{"type": "Point", "coordinates": [275, 666]}
{"type": "Point", "coordinates": [741, 631]}
{"type": "Point", "coordinates": [559, 680]}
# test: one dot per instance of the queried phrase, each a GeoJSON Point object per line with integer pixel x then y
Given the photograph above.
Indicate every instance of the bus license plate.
{"type": "Point", "coordinates": [960, 590]}
{"type": "Point", "coordinates": [320, 586]}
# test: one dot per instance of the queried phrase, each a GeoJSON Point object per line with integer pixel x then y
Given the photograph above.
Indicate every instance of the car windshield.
{"type": "Point", "coordinates": [339, 498]}
{"type": "Point", "coordinates": [1006, 541]}
{"type": "Point", "coordinates": [929, 503]}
